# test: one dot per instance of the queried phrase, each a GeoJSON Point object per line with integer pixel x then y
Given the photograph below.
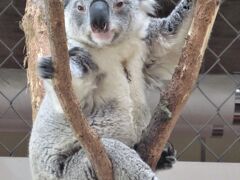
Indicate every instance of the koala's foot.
{"type": "Point", "coordinates": [45, 67]}
{"type": "Point", "coordinates": [168, 157]}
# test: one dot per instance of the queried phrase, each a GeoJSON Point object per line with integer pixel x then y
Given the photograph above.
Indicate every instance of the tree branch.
{"type": "Point", "coordinates": [178, 90]}
{"type": "Point", "coordinates": [36, 45]}
{"type": "Point", "coordinates": [63, 87]}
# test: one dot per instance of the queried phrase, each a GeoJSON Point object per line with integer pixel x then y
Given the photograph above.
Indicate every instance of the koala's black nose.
{"type": "Point", "coordinates": [99, 16]}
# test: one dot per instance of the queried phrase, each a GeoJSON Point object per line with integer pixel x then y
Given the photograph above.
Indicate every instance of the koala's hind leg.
{"type": "Point", "coordinates": [168, 157]}
{"type": "Point", "coordinates": [126, 163]}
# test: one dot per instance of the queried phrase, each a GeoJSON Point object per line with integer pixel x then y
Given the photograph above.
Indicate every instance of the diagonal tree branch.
{"type": "Point", "coordinates": [178, 90]}
{"type": "Point", "coordinates": [62, 85]}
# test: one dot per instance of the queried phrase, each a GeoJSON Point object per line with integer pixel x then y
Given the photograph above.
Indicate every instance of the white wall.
{"type": "Point", "coordinates": [18, 169]}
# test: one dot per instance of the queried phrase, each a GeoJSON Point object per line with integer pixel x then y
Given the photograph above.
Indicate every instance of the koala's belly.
{"type": "Point", "coordinates": [128, 90]}
{"type": "Point", "coordinates": [122, 81]}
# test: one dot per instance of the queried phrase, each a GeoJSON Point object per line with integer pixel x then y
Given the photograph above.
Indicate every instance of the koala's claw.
{"type": "Point", "coordinates": [168, 157]}
{"type": "Point", "coordinates": [45, 68]}
{"type": "Point", "coordinates": [81, 62]}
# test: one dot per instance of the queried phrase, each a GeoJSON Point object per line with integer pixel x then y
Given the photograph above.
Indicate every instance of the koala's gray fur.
{"type": "Point", "coordinates": [110, 78]}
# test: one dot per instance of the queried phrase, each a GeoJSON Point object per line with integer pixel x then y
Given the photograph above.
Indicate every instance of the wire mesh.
{"type": "Point", "coordinates": [11, 53]}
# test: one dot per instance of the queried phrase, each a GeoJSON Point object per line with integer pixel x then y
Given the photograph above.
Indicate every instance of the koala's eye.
{"type": "Point", "coordinates": [119, 4]}
{"type": "Point", "coordinates": [81, 8]}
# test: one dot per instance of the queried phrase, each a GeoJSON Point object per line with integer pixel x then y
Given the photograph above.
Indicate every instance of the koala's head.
{"type": "Point", "coordinates": [100, 23]}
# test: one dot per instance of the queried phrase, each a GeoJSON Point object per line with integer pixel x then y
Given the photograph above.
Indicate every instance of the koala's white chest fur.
{"type": "Point", "coordinates": [123, 79]}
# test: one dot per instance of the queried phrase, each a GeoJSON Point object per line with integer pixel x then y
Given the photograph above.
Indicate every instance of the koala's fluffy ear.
{"type": "Point", "coordinates": [148, 6]}
{"type": "Point", "coordinates": [66, 3]}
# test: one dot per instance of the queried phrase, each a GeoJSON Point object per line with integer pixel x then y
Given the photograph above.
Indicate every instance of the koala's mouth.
{"type": "Point", "coordinates": [101, 39]}
{"type": "Point", "coordinates": [103, 36]}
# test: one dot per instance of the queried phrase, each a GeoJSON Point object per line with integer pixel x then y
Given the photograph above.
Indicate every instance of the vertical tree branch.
{"type": "Point", "coordinates": [63, 87]}
{"type": "Point", "coordinates": [37, 45]}
{"type": "Point", "coordinates": [177, 92]}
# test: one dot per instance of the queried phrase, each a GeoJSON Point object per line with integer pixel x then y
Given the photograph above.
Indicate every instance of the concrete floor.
{"type": "Point", "coordinates": [18, 169]}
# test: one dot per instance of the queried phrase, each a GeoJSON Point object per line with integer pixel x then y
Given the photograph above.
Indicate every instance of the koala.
{"type": "Point", "coordinates": [117, 52]}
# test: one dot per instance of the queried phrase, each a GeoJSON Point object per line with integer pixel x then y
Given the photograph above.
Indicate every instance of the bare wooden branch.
{"type": "Point", "coordinates": [62, 85]}
{"type": "Point", "coordinates": [177, 92]}
{"type": "Point", "coordinates": [37, 45]}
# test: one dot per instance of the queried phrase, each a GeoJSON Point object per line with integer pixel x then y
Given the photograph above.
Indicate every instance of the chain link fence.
{"type": "Point", "coordinates": [209, 128]}
{"type": "Point", "coordinates": [15, 116]}
{"type": "Point", "coordinates": [210, 121]}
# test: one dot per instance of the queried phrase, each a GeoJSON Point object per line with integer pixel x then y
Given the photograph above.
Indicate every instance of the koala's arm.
{"type": "Point", "coordinates": [84, 73]}
{"type": "Point", "coordinates": [165, 39]}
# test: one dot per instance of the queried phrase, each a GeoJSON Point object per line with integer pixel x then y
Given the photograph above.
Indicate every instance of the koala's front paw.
{"type": "Point", "coordinates": [81, 62]}
{"type": "Point", "coordinates": [45, 67]}
{"type": "Point", "coordinates": [168, 157]}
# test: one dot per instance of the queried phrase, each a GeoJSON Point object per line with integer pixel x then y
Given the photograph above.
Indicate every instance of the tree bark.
{"type": "Point", "coordinates": [178, 90]}
{"type": "Point", "coordinates": [88, 138]}
{"type": "Point", "coordinates": [37, 45]}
